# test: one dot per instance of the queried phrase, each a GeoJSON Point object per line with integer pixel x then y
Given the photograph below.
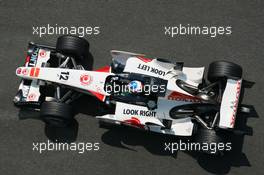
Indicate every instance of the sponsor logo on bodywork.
{"type": "Point", "coordinates": [151, 69]}
{"type": "Point", "coordinates": [33, 59]}
{"type": "Point", "coordinates": [18, 71]}
{"type": "Point", "coordinates": [137, 112]}
{"type": "Point", "coordinates": [85, 79]}
{"type": "Point", "coordinates": [31, 97]}
{"type": "Point", "coordinates": [182, 97]}
{"type": "Point", "coordinates": [42, 53]}
{"type": "Point", "coordinates": [25, 71]}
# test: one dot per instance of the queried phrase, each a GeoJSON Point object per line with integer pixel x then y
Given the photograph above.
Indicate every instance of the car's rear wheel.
{"type": "Point", "coordinates": [56, 114]}
{"type": "Point", "coordinates": [223, 69]}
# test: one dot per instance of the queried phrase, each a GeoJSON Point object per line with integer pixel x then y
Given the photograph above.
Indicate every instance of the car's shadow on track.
{"type": "Point", "coordinates": [56, 134]}
{"type": "Point", "coordinates": [128, 138]}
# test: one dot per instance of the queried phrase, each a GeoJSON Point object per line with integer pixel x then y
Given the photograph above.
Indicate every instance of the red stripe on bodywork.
{"type": "Point", "coordinates": [144, 59]}
{"type": "Point", "coordinates": [37, 72]}
{"type": "Point", "coordinates": [104, 69]}
{"type": "Point", "coordinates": [183, 97]}
{"type": "Point", "coordinates": [101, 97]}
{"type": "Point", "coordinates": [27, 59]}
{"type": "Point", "coordinates": [32, 70]}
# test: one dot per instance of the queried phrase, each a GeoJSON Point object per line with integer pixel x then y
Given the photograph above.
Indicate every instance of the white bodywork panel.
{"type": "Point", "coordinates": [229, 103]}
{"type": "Point", "coordinates": [152, 118]}
{"type": "Point", "coordinates": [81, 79]}
{"type": "Point", "coordinates": [160, 69]}
{"type": "Point", "coordinates": [147, 67]}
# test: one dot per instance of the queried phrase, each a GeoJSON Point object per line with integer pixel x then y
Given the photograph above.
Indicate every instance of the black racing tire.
{"type": "Point", "coordinates": [56, 114]}
{"type": "Point", "coordinates": [73, 46]}
{"type": "Point", "coordinates": [224, 69]}
{"type": "Point", "coordinates": [209, 137]}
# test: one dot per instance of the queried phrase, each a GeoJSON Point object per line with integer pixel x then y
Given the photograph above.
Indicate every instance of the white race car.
{"type": "Point", "coordinates": [151, 94]}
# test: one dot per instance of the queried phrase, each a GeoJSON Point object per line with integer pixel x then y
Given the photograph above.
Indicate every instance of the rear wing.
{"type": "Point", "coordinates": [229, 104]}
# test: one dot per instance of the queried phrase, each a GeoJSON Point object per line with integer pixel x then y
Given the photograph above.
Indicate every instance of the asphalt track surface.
{"type": "Point", "coordinates": [136, 26]}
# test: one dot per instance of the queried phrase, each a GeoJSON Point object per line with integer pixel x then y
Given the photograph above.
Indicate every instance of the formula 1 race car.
{"type": "Point", "coordinates": [151, 94]}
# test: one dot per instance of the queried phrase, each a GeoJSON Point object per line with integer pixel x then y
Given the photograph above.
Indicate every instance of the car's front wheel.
{"type": "Point", "coordinates": [56, 114]}
{"type": "Point", "coordinates": [76, 47]}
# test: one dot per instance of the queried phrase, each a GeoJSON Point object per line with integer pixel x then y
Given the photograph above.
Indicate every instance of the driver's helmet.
{"type": "Point", "coordinates": [135, 86]}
